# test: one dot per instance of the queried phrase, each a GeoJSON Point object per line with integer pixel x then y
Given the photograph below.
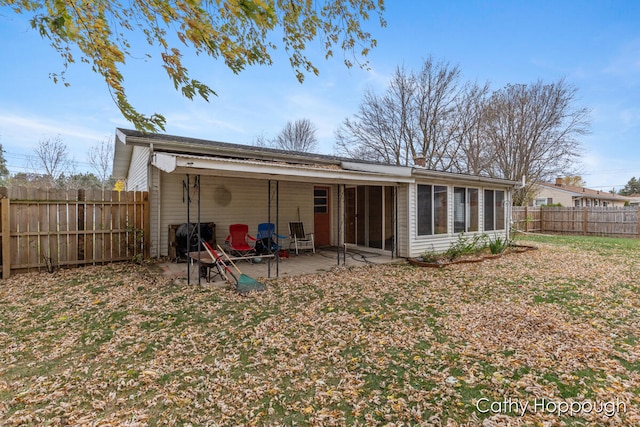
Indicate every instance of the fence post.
{"type": "Point", "coordinates": [6, 239]}
{"type": "Point", "coordinates": [585, 220]}
{"type": "Point", "coordinates": [638, 222]}
{"type": "Point", "coordinates": [542, 209]}
{"type": "Point", "coordinates": [147, 225]}
{"type": "Point", "coordinates": [526, 219]}
{"type": "Point", "coordinates": [81, 205]}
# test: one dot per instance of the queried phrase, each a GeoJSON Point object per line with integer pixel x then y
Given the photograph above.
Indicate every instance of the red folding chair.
{"type": "Point", "coordinates": [238, 240]}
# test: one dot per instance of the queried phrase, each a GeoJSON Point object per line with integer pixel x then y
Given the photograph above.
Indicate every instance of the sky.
{"type": "Point", "coordinates": [593, 45]}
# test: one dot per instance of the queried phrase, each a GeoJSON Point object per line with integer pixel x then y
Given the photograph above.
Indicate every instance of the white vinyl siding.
{"type": "Point", "coordinates": [154, 212]}
{"type": "Point", "coordinates": [137, 179]}
{"type": "Point", "coordinates": [441, 242]}
{"type": "Point", "coordinates": [403, 223]}
{"type": "Point", "coordinates": [247, 204]}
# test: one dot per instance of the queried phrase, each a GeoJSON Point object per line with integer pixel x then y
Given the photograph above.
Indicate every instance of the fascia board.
{"type": "Point", "coordinates": [292, 172]}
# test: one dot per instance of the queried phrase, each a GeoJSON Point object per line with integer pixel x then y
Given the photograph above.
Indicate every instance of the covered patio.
{"type": "Point", "coordinates": [325, 259]}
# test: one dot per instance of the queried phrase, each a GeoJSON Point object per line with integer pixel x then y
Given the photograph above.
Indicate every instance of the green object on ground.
{"type": "Point", "coordinates": [248, 284]}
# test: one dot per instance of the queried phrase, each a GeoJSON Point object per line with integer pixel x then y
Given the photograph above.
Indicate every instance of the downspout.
{"type": "Point", "coordinates": [150, 175]}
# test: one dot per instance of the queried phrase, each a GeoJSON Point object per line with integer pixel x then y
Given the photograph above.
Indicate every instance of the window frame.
{"type": "Point", "coordinates": [432, 222]}
{"type": "Point", "coordinates": [468, 210]}
{"type": "Point", "coordinates": [493, 208]}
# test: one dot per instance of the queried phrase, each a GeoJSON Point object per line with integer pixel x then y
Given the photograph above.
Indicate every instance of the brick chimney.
{"type": "Point", "coordinates": [420, 161]}
{"type": "Point", "coordinates": [559, 181]}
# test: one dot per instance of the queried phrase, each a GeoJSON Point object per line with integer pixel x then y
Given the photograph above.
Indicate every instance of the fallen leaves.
{"type": "Point", "coordinates": [377, 345]}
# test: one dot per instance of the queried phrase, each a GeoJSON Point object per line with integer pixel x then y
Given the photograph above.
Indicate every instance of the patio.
{"type": "Point", "coordinates": [325, 259]}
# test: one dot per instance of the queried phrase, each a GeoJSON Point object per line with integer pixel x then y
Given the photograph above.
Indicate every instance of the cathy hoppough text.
{"type": "Point", "coordinates": [561, 408]}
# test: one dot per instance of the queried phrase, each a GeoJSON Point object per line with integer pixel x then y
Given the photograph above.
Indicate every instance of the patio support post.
{"type": "Point", "coordinates": [277, 257]}
{"type": "Point", "coordinates": [342, 232]}
{"type": "Point", "coordinates": [395, 233]}
{"type": "Point", "coordinates": [269, 221]}
{"type": "Point", "coordinates": [186, 188]}
{"type": "Point", "coordinates": [197, 185]}
{"type": "Point", "coordinates": [277, 225]}
{"type": "Point", "coordinates": [186, 197]}
{"type": "Point", "coordinates": [339, 227]}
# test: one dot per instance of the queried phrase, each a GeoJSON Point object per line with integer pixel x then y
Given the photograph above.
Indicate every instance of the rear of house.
{"type": "Point", "coordinates": [379, 208]}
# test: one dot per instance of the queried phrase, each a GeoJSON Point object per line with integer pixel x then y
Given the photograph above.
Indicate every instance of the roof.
{"type": "Point", "coordinates": [580, 192]}
{"type": "Point", "coordinates": [180, 152]}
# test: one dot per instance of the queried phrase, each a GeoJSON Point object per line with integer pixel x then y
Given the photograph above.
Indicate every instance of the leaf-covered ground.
{"type": "Point", "coordinates": [520, 340]}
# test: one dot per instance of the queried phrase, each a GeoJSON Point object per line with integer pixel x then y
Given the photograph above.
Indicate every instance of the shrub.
{"type": "Point", "coordinates": [466, 245]}
{"type": "Point", "coordinates": [498, 245]}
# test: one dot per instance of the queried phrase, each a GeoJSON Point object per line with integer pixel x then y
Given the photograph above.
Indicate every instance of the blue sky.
{"type": "Point", "coordinates": [594, 45]}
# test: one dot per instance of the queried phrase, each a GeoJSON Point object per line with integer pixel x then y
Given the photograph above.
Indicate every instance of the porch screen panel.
{"type": "Point", "coordinates": [424, 210]}
{"type": "Point", "coordinates": [440, 209]}
{"type": "Point", "coordinates": [375, 217]}
{"type": "Point", "coordinates": [488, 210]}
{"type": "Point", "coordinates": [361, 216]}
{"type": "Point", "coordinates": [389, 217]}
{"type": "Point", "coordinates": [499, 211]}
{"type": "Point", "coordinates": [459, 209]}
{"type": "Point", "coordinates": [473, 209]}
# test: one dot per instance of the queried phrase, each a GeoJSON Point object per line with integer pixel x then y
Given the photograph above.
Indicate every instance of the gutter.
{"type": "Point", "coordinates": [472, 178]}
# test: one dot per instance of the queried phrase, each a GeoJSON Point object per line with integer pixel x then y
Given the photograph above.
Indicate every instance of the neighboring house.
{"type": "Point", "coordinates": [377, 207]}
{"type": "Point", "coordinates": [574, 196]}
{"type": "Point", "coordinates": [634, 200]}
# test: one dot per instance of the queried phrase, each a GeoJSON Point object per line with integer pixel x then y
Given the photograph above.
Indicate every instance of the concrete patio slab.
{"type": "Point", "coordinates": [323, 260]}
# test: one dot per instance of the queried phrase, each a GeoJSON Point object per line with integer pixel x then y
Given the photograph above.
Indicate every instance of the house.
{"type": "Point", "coordinates": [397, 210]}
{"type": "Point", "coordinates": [634, 200]}
{"type": "Point", "coordinates": [574, 196]}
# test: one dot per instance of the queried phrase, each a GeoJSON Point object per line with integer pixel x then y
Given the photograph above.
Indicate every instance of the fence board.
{"type": "Point", "coordinates": [44, 228]}
{"type": "Point", "coordinates": [588, 221]}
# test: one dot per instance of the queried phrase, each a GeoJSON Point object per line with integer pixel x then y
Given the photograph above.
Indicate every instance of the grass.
{"type": "Point", "coordinates": [360, 346]}
{"type": "Point", "coordinates": [600, 245]}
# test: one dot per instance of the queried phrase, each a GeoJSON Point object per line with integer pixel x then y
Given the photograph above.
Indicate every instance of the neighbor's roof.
{"type": "Point", "coordinates": [181, 147]}
{"type": "Point", "coordinates": [579, 192]}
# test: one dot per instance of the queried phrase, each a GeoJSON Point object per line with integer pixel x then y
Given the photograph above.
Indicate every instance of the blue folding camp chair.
{"type": "Point", "coordinates": [267, 239]}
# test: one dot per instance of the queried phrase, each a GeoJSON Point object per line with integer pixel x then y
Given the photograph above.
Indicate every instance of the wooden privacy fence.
{"type": "Point", "coordinates": [588, 221]}
{"type": "Point", "coordinates": [48, 228]}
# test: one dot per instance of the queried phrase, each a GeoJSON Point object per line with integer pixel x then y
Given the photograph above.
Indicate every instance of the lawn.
{"type": "Point", "coordinates": [547, 337]}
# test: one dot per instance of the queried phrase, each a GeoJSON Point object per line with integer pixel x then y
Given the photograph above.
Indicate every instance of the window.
{"type": "Point", "coordinates": [432, 209]}
{"type": "Point", "coordinates": [474, 214]}
{"type": "Point", "coordinates": [440, 209]}
{"type": "Point", "coordinates": [320, 200]}
{"type": "Point", "coordinates": [499, 212]}
{"type": "Point", "coordinates": [425, 203]}
{"type": "Point", "coordinates": [465, 209]}
{"type": "Point", "coordinates": [488, 210]}
{"type": "Point", "coordinates": [494, 218]}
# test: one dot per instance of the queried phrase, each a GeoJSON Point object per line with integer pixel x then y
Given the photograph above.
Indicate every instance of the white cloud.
{"type": "Point", "coordinates": [20, 134]}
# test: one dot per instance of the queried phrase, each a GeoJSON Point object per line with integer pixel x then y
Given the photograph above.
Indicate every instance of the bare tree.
{"type": "Point", "coordinates": [261, 140]}
{"type": "Point", "coordinates": [4, 171]}
{"type": "Point", "coordinates": [437, 93]}
{"type": "Point", "coordinates": [100, 158]}
{"type": "Point", "coordinates": [574, 180]}
{"type": "Point", "coordinates": [297, 136]}
{"type": "Point", "coordinates": [473, 155]}
{"type": "Point", "coordinates": [52, 159]}
{"type": "Point", "coordinates": [383, 129]}
{"type": "Point", "coordinates": [532, 131]}
{"type": "Point", "coordinates": [416, 117]}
